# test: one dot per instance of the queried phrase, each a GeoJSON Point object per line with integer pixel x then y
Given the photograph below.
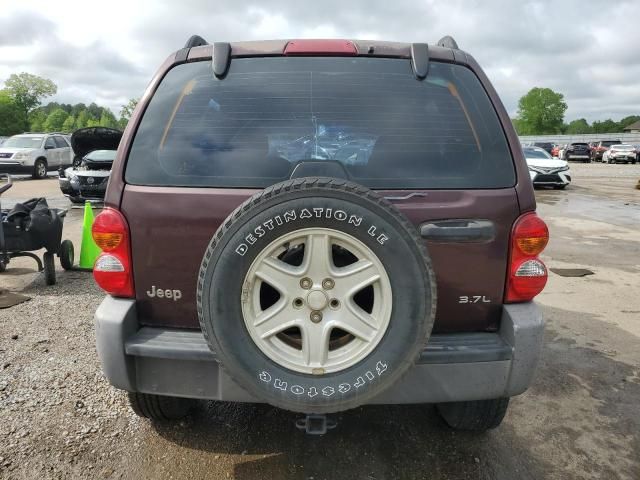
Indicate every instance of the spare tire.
{"type": "Point", "coordinates": [316, 295]}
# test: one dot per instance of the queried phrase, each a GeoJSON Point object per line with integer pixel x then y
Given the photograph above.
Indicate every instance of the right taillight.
{"type": "Point", "coordinates": [112, 270]}
{"type": "Point", "coordinates": [527, 274]}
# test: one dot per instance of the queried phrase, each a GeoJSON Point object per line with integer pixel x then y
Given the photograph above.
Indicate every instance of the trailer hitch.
{"type": "Point", "coordinates": [314, 424]}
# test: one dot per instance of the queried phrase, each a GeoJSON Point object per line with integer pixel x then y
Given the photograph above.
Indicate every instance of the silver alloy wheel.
{"type": "Point", "coordinates": [42, 169]}
{"type": "Point", "coordinates": [320, 328]}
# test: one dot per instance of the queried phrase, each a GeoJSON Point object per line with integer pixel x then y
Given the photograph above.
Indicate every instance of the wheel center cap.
{"type": "Point", "coordinates": [317, 300]}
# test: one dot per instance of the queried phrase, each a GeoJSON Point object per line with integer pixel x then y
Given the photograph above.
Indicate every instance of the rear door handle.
{"type": "Point", "coordinates": [459, 231]}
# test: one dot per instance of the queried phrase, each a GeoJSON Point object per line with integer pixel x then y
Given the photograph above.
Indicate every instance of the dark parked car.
{"type": "Point", "coordinates": [546, 146]}
{"type": "Point", "coordinates": [95, 150]}
{"type": "Point", "coordinates": [578, 151]}
{"type": "Point", "coordinates": [280, 214]}
{"type": "Point", "coordinates": [599, 148]}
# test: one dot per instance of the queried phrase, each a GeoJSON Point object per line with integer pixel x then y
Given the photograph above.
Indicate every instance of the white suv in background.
{"type": "Point", "coordinates": [35, 153]}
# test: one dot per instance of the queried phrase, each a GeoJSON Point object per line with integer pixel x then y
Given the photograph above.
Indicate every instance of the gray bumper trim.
{"type": "Point", "coordinates": [453, 367]}
{"type": "Point", "coordinates": [174, 344]}
{"type": "Point", "coordinates": [171, 344]}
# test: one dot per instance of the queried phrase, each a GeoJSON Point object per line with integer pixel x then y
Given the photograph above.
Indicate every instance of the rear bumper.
{"type": "Point", "coordinates": [578, 157]}
{"type": "Point", "coordinates": [622, 158]}
{"type": "Point", "coordinates": [453, 367]}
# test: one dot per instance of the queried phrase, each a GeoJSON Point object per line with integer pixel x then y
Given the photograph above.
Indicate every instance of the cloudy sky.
{"type": "Point", "coordinates": [107, 51]}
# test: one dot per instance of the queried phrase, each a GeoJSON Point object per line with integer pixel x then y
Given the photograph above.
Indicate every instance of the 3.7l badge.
{"type": "Point", "coordinates": [473, 299]}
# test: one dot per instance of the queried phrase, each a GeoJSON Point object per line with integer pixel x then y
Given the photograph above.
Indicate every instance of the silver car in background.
{"type": "Point", "coordinates": [621, 153]}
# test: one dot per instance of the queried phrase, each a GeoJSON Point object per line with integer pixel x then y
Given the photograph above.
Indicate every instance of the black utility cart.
{"type": "Point", "coordinates": [31, 226]}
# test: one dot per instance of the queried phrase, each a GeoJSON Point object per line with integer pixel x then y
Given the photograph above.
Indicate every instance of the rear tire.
{"type": "Point", "coordinates": [66, 254]}
{"type": "Point", "coordinates": [160, 407]}
{"type": "Point", "coordinates": [3, 266]}
{"type": "Point", "coordinates": [39, 169]}
{"type": "Point", "coordinates": [476, 415]}
{"type": "Point", "coordinates": [49, 269]}
{"type": "Point", "coordinates": [559, 187]}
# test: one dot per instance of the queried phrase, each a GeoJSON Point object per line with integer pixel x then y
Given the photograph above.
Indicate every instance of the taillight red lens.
{"type": "Point", "coordinates": [527, 274]}
{"type": "Point", "coordinates": [112, 270]}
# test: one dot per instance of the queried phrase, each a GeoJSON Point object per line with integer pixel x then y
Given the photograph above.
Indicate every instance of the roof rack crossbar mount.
{"type": "Point", "coordinates": [420, 60]}
{"type": "Point", "coordinates": [221, 58]}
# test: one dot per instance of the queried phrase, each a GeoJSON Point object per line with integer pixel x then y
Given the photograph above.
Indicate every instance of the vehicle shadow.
{"type": "Point", "coordinates": [371, 442]}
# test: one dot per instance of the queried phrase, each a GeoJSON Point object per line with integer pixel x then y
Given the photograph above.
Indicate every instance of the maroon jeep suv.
{"type": "Point", "coordinates": [318, 225]}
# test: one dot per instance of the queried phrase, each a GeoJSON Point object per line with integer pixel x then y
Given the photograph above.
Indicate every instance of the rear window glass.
{"type": "Point", "coordinates": [60, 142]}
{"type": "Point", "coordinates": [369, 117]}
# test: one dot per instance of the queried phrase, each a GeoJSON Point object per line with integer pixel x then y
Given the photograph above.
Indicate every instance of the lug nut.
{"type": "Point", "coordinates": [328, 284]}
{"type": "Point", "coordinates": [298, 303]}
{"type": "Point", "coordinates": [334, 303]}
{"type": "Point", "coordinates": [316, 316]}
{"type": "Point", "coordinates": [306, 283]}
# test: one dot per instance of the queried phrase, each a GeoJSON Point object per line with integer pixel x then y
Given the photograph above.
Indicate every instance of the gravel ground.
{"type": "Point", "coordinates": [580, 419]}
{"type": "Point", "coordinates": [55, 407]}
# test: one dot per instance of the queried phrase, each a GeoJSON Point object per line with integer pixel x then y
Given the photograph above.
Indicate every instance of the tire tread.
{"type": "Point", "coordinates": [475, 415]}
{"type": "Point", "coordinates": [159, 407]}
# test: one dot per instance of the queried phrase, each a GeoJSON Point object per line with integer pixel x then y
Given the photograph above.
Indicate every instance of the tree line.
{"type": "Point", "coordinates": [541, 112]}
{"type": "Point", "coordinates": [21, 109]}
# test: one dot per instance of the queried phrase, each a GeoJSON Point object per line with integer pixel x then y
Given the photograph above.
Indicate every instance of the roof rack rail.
{"type": "Point", "coordinates": [195, 41]}
{"type": "Point", "coordinates": [448, 42]}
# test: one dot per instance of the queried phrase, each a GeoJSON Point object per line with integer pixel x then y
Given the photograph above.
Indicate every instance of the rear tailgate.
{"type": "Point", "coordinates": [435, 147]}
{"type": "Point", "coordinates": [171, 227]}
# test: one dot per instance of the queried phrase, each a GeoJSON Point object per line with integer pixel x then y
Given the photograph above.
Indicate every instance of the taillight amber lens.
{"type": "Point", "coordinates": [107, 241]}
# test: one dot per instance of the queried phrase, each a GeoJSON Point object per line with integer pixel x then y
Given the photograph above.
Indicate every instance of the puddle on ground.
{"type": "Point", "coordinates": [571, 272]}
{"type": "Point", "coordinates": [617, 212]}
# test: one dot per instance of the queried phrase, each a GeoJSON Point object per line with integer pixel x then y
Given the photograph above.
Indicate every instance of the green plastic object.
{"type": "Point", "coordinates": [89, 251]}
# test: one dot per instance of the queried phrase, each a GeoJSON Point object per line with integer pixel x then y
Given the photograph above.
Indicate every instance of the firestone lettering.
{"type": "Point", "coordinates": [327, 390]}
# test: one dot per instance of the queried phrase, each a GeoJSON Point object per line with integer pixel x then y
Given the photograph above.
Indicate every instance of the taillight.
{"type": "Point", "coordinates": [527, 274]}
{"type": "Point", "coordinates": [112, 270]}
{"type": "Point", "coordinates": [320, 47]}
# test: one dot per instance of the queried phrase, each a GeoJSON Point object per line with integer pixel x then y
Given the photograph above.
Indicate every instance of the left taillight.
{"type": "Point", "coordinates": [527, 274]}
{"type": "Point", "coordinates": [112, 270]}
